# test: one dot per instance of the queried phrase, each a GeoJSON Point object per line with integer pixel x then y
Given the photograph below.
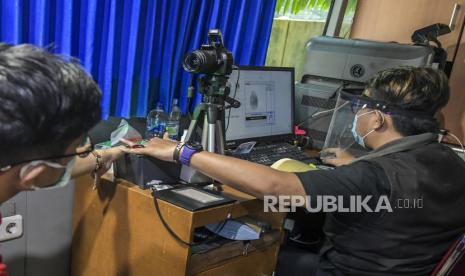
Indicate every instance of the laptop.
{"type": "Point", "coordinates": [265, 117]}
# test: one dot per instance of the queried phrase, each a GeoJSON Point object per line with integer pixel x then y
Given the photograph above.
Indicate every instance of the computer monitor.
{"type": "Point", "coordinates": [267, 104]}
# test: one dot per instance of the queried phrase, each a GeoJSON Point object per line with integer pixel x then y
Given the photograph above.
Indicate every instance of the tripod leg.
{"type": "Point", "coordinates": [205, 132]}
{"type": "Point", "coordinates": [198, 112]}
{"type": "Point", "coordinates": [189, 174]}
{"type": "Point", "coordinates": [191, 130]}
{"type": "Point", "coordinates": [212, 117]}
{"type": "Point", "coordinates": [211, 137]}
{"type": "Point", "coordinates": [220, 137]}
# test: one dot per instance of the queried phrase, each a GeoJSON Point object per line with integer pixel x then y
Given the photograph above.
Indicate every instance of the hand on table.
{"type": "Point", "coordinates": [338, 156]}
{"type": "Point", "coordinates": [158, 148]}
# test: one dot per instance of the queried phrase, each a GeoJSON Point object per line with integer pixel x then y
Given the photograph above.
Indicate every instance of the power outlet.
{"type": "Point", "coordinates": [11, 228]}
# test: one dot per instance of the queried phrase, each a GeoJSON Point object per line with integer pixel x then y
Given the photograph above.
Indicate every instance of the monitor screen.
{"type": "Point", "coordinates": [266, 95]}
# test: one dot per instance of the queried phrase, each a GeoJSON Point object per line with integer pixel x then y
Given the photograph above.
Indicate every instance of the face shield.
{"type": "Point", "coordinates": [351, 103]}
{"type": "Point", "coordinates": [348, 104]}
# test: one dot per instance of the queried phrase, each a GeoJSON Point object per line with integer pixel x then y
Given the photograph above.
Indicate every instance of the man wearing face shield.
{"type": "Point", "coordinates": [395, 121]}
{"type": "Point", "coordinates": [358, 116]}
{"type": "Point", "coordinates": [47, 105]}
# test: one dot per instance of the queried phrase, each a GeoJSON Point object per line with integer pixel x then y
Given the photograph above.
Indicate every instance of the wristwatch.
{"type": "Point", "coordinates": [190, 148]}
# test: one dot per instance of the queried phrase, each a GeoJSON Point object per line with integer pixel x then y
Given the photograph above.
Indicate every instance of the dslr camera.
{"type": "Point", "coordinates": [212, 58]}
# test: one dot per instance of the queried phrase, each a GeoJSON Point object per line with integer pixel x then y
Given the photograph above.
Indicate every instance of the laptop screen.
{"type": "Point", "coordinates": [267, 103]}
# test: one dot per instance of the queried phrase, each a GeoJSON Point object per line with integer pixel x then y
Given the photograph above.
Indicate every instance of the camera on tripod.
{"type": "Point", "coordinates": [216, 63]}
{"type": "Point", "coordinates": [212, 58]}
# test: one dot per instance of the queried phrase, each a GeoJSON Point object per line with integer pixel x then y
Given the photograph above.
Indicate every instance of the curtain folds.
{"type": "Point", "coordinates": [134, 48]}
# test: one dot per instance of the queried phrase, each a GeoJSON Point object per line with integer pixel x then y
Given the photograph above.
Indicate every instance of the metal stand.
{"type": "Point", "coordinates": [212, 130]}
{"type": "Point", "coordinates": [212, 137]}
{"type": "Point", "coordinates": [209, 113]}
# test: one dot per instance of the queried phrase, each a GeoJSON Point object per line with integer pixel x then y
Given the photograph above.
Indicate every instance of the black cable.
{"type": "Point", "coordinates": [234, 96]}
{"type": "Point", "coordinates": [175, 236]}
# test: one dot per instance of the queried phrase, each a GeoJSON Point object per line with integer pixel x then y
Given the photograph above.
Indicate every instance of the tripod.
{"type": "Point", "coordinates": [212, 130]}
{"type": "Point", "coordinates": [210, 113]}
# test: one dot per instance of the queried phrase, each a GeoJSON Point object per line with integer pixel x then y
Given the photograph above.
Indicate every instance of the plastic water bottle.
{"type": "Point", "coordinates": [156, 122]}
{"type": "Point", "coordinates": [172, 126]}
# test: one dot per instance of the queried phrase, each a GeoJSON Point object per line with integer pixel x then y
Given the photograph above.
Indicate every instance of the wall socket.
{"type": "Point", "coordinates": [11, 228]}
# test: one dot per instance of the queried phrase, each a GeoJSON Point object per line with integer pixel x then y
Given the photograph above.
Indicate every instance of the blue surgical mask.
{"type": "Point", "coordinates": [64, 179]}
{"type": "Point", "coordinates": [360, 139]}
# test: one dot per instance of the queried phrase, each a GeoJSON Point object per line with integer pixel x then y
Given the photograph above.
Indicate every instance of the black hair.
{"type": "Point", "coordinates": [416, 89]}
{"type": "Point", "coordinates": [46, 102]}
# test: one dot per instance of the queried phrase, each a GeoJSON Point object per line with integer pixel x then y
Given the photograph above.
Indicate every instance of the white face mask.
{"type": "Point", "coordinates": [64, 179]}
{"type": "Point", "coordinates": [360, 139]}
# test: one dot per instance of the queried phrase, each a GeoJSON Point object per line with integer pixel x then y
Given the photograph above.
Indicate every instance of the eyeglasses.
{"type": "Point", "coordinates": [83, 150]}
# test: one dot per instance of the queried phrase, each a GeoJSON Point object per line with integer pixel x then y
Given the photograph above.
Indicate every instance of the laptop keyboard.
{"type": "Point", "coordinates": [268, 154]}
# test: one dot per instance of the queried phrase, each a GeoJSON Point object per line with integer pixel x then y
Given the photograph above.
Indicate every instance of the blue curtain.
{"type": "Point", "coordinates": [134, 48]}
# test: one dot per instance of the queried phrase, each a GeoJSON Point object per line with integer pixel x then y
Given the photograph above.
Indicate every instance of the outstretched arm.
{"type": "Point", "coordinates": [254, 179]}
{"type": "Point", "coordinates": [87, 164]}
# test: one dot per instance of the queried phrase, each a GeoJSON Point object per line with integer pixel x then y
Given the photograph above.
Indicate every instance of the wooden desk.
{"type": "Point", "coordinates": [116, 231]}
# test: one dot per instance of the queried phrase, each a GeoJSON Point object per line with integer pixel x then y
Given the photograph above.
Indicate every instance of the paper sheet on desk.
{"type": "Point", "coordinates": [234, 230]}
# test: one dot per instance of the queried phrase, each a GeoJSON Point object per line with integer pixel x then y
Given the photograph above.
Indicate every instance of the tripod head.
{"type": "Point", "coordinates": [216, 91]}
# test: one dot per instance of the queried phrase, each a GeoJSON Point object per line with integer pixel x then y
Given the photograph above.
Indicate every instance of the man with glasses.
{"type": "Point", "coordinates": [47, 105]}
{"type": "Point", "coordinates": [395, 119]}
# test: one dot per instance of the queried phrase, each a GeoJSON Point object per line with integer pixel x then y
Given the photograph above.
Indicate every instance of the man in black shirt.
{"type": "Point", "coordinates": [406, 166]}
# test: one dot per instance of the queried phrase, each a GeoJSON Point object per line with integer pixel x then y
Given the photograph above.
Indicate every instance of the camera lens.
{"type": "Point", "coordinates": [194, 61]}
{"type": "Point", "coordinates": [201, 61]}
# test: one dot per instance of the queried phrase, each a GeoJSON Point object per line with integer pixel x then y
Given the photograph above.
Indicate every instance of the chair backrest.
{"type": "Point", "coordinates": [453, 262]}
